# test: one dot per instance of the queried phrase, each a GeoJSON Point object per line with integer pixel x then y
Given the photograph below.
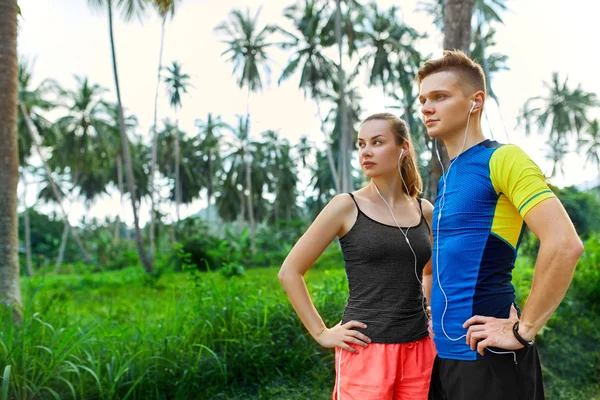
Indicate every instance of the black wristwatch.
{"type": "Point", "coordinates": [519, 337]}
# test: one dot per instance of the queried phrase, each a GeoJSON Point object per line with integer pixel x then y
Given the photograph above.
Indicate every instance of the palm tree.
{"type": "Point", "coordinates": [281, 175]}
{"type": "Point", "coordinates": [34, 99]}
{"type": "Point", "coordinates": [80, 149]}
{"type": "Point", "coordinates": [389, 44]}
{"type": "Point", "coordinates": [209, 149]}
{"type": "Point", "coordinates": [456, 18]}
{"type": "Point", "coordinates": [80, 120]}
{"type": "Point", "coordinates": [591, 144]}
{"type": "Point", "coordinates": [308, 44]}
{"type": "Point", "coordinates": [486, 11]}
{"type": "Point", "coordinates": [247, 46]}
{"type": "Point", "coordinates": [130, 8]}
{"type": "Point", "coordinates": [406, 100]}
{"type": "Point", "coordinates": [111, 142]}
{"type": "Point", "coordinates": [304, 150]}
{"type": "Point", "coordinates": [321, 183]}
{"type": "Point", "coordinates": [492, 63]}
{"type": "Point", "coordinates": [165, 9]}
{"type": "Point", "coordinates": [10, 287]}
{"type": "Point", "coordinates": [344, 141]}
{"type": "Point", "coordinates": [54, 188]}
{"type": "Point", "coordinates": [336, 115]}
{"type": "Point", "coordinates": [240, 159]}
{"type": "Point", "coordinates": [557, 150]}
{"type": "Point", "coordinates": [247, 49]}
{"type": "Point", "coordinates": [457, 36]}
{"type": "Point", "coordinates": [561, 113]}
{"type": "Point", "coordinates": [177, 83]}
{"type": "Point", "coordinates": [166, 160]}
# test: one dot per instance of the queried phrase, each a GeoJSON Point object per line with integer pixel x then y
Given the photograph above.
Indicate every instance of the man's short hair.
{"type": "Point", "coordinates": [459, 63]}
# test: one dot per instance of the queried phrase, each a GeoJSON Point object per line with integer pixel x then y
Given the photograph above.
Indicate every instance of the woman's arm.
{"type": "Point", "coordinates": [303, 255]}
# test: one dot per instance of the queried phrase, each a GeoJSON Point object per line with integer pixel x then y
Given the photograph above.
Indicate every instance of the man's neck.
{"type": "Point", "coordinates": [457, 144]}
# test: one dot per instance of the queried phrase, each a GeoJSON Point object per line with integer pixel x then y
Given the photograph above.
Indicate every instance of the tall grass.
{"type": "Point", "coordinates": [122, 335]}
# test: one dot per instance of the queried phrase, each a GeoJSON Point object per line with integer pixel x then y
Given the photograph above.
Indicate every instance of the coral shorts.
{"type": "Point", "coordinates": [384, 371]}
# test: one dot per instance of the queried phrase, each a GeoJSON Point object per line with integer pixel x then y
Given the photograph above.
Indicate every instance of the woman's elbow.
{"type": "Point", "coordinates": [285, 273]}
{"type": "Point", "coordinates": [282, 274]}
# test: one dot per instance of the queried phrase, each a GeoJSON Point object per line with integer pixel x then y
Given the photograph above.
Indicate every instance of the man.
{"type": "Point", "coordinates": [485, 349]}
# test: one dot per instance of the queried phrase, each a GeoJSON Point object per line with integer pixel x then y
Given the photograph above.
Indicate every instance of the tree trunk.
{"type": "Point", "coordinates": [209, 189]}
{"type": "Point", "coordinates": [343, 156]}
{"type": "Point", "coordinates": [155, 147]}
{"type": "Point", "coordinates": [10, 286]}
{"type": "Point", "coordinates": [177, 176]}
{"type": "Point", "coordinates": [249, 178]}
{"type": "Point", "coordinates": [27, 228]}
{"type": "Point", "coordinates": [63, 244]}
{"type": "Point", "coordinates": [457, 25]}
{"type": "Point", "coordinates": [457, 36]}
{"type": "Point", "coordinates": [117, 234]}
{"type": "Point", "coordinates": [334, 174]}
{"type": "Point", "coordinates": [125, 149]}
{"type": "Point", "coordinates": [242, 206]}
{"type": "Point", "coordinates": [36, 143]}
{"type": "Point", "coordinates": [250, 204]}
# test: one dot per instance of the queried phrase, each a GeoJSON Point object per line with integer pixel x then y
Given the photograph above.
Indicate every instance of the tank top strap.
{"type": "Point", "coordinates": [353, 199]}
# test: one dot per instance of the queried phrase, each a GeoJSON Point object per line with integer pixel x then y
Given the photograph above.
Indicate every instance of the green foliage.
{"type": "Point", "coordinates": [118, 335]}
{"type": "Point", "coordinates": [46, 232]}
{"type": "Point", "coordinates": [582, 207]}
{"type": "Point", "coordinates": [231, 270]}
{"type": "Point", "coordinates": [224, 335]}
{"type": "Point", "coordinates": [568, 342]}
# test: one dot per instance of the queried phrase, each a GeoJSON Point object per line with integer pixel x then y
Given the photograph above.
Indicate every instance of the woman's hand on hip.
{"type": "Point", "coordinates": [341, 335]}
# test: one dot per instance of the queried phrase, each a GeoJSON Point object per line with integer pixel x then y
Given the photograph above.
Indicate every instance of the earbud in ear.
{"type": "Point", "coordinates": [473, 104]}
{"type": "Point", "coordinates": [401, 152]}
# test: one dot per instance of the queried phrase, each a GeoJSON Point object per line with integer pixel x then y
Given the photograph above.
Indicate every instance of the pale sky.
{"type": "Point", "coordinates": [66, 38]}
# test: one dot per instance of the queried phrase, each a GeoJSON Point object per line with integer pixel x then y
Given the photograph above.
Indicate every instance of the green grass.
{"type": "Point", "coordinates": [124, 335]}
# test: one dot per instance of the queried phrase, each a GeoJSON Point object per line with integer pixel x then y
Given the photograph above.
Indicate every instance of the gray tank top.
{"type": "Point", "coordinates": [383, 289]}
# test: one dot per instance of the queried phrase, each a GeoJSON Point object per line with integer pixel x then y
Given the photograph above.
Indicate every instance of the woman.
{"type": "Point", "coordinates": [383, 350]}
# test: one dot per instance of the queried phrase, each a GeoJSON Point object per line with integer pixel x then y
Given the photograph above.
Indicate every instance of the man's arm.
{"type": "Point", "coordinates": [560, 248]}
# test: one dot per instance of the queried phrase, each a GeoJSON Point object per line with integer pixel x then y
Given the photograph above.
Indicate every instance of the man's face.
{"type": "Point", "coordinates": [444, 105]}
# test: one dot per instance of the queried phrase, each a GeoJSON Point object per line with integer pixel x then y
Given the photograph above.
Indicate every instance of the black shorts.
{"type": "Point", "coordinates": [495, 377]}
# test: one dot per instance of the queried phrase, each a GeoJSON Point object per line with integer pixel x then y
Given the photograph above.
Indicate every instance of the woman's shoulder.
{"type": "Point", "coordinates": [427, 208]}
{"type": "Point", "coordinates": [340, 204]}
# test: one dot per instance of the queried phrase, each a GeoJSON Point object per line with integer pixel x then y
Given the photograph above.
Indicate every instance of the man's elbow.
{"type": "Point", "coordinates": [576, 248]}
{"type": "Point", "coordinates": [572, 248]}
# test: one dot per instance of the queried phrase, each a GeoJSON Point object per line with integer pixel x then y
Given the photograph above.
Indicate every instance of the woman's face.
{"type": "Point", "coordinates": [378, 151]}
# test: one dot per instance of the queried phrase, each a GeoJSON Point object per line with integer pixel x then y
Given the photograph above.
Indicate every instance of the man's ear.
{"type": "Point", "coordinates": [479, 99]}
